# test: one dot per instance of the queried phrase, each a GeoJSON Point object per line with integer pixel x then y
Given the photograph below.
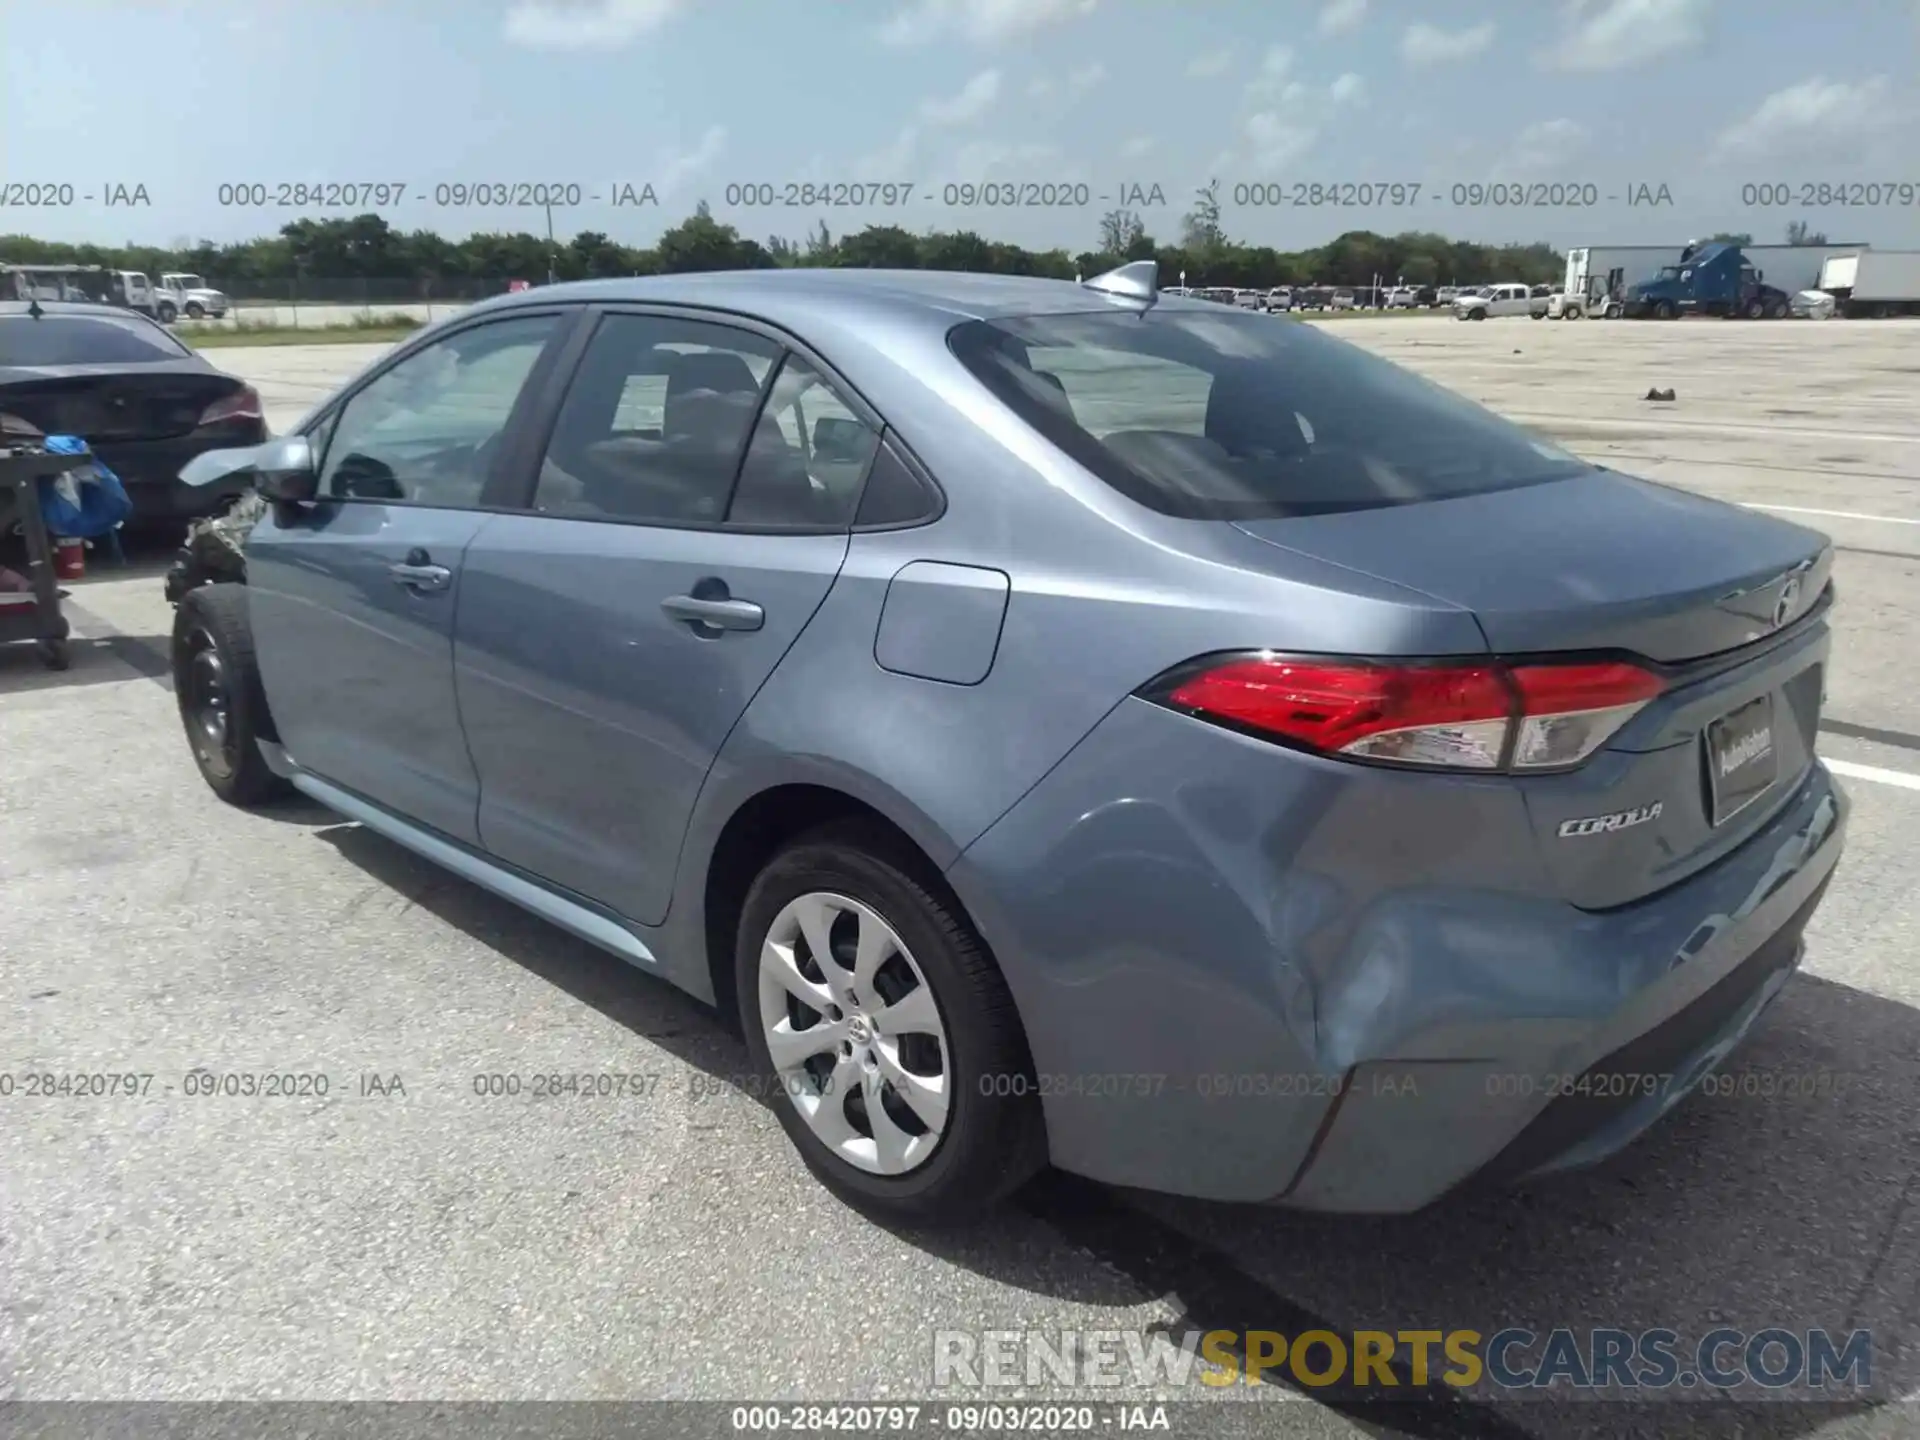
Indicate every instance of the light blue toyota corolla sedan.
{"type": "Point", "coordinates": [1067, 724]}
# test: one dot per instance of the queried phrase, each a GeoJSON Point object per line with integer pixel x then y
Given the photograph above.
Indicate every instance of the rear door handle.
{"type": "Point", "coordinates": [421, 577]}
{"type": "Point", "coordinates": [715, 614]}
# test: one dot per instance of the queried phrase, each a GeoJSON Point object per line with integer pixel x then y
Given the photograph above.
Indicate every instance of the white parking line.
{"type": "Point", "coordinates": [1831, 514]}
{"type": "Point", "coordinates": [1900, 778]}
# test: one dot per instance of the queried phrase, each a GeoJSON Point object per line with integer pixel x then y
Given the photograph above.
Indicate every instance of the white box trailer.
{"type": "Point", "coordinates": [1600, 269]}
{"type": "Point", "coordinates": [1876, 283]}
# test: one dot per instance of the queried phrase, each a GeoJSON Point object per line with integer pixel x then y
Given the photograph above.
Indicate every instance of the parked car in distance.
{"type": "Point", "coordinates": [879, 656]}
{"type": "Point", "coordinates": [1446, 294]}
{"type": "Point", "coordinates": [1248, 299]}
{"type": "Point", "coordinates": [1280, 297]}
{"type": "Point", "coordinates": [143, 402]}
{"type": "Point", "coordinates": [1493, 300]}
{"type": "Point", "coordinates": [1403, 297]}
{"type": "Point", "coordinates": [1341, 300]}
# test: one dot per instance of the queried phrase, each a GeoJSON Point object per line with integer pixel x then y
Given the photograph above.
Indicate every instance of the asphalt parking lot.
{"type": "Point", "coordinates": [423, 1241]}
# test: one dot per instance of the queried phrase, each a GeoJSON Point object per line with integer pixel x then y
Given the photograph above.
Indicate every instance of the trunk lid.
{"type": "Point", "coordinates": [114, 403]}
{"type": "Point", "coordinates": [1729, 607]}
{"type": "Point", "coordinates": [1597, 562]}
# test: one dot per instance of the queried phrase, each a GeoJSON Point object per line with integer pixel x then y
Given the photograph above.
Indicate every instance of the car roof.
{"type": "Point", "coordinates": [808, 299]}
{"type": "Point", "coordinates": [53, 308]}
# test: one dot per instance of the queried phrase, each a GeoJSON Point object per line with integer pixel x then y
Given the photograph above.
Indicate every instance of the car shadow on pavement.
{"type": "Point", "coordinates": [95, 660]}
{"type": "Point", "coordinates": [1786, 1197]}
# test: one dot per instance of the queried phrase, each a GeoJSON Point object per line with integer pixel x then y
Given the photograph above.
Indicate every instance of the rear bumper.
{"type": "Point", "coordinates": [1250, 975]}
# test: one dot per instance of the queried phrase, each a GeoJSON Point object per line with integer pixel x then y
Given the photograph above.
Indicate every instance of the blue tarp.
{"type": "Point", "coordinates": [85, 502]}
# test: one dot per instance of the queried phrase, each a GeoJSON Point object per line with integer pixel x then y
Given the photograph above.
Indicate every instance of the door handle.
{"type": "Point", "coordinates": [715, 614]}
{"type": "Point", "coordinates": [421, 577]}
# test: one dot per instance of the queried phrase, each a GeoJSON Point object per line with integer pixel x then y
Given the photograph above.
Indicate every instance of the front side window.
{"type": "Point", "coordinates": [655, 422]}
{"type": "Point", "coordinates": [426, 432]}
{"type": "Point", "coordinates": [1229, 416]}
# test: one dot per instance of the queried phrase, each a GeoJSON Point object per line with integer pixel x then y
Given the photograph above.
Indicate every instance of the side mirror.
{"type": "Point", "coordinates": [210, 467]}
{"type": "Point", "coordinates": [839, 439]}
{"type": "Point", "coordinates": [285, 470]}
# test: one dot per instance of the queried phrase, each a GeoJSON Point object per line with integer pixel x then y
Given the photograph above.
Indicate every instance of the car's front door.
{"type": "Point", "coordinates": [689, 515]}
{"type": "Point", "coordinates": [352, 598]}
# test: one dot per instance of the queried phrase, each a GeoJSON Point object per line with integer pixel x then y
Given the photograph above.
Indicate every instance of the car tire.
{"type": "Point", "coordinates": [166, 314]}
{"type": "Point", "coordinates": [1664, 310]}
{"type": "Point", "coordinates": [992, 1136]}
{"type": "Point", "coordinates": [1476, 315]}
{"type": "Point", "coordinates": [195, 310]}
{"type": "Point", "coordinates": [223, 707]}
{"type": "Point", "coordinates": [1776, 309]}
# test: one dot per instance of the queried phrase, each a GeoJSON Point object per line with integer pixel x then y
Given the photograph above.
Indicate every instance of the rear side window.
{"type": "Point", "coordinates": [1233, 416]}
{"type": "Point", "coordinates": [655, 422]}
{"type": "Point", "coordinates": [85, 340]}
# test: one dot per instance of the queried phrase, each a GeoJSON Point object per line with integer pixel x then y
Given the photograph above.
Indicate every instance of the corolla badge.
{"type": "Point", "coordinates": [1607, 824]}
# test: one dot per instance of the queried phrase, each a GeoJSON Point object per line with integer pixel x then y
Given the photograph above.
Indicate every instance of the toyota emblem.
{"type": "Point", "coordinates": [1789, 596]}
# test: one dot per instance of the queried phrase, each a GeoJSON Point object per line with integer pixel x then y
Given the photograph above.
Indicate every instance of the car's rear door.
{"type": "Point", "coordinates": [681, 528]}
{"type": "Point", "coordinates": [353, 598]}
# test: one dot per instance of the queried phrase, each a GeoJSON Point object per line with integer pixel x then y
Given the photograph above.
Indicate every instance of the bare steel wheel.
{"type": "Point", "coordinates": [854, 1033]}
{"type": "Point", "coordinates": [204, 705]}
{"type": "Point", "coordinates": [895, 1057]}
{"type": "Point", "coordinates": [223, 707]}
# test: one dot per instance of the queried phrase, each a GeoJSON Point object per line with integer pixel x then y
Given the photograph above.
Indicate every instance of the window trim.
{"type": "Point", "coordinates": [491, 487]}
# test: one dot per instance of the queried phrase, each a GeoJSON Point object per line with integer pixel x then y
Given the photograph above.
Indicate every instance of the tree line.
{"type": "Point", "coordinates": [367, 248]}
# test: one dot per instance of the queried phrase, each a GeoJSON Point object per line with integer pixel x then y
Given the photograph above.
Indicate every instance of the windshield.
{"type": "Point", "coordinates": [1669, 272]}
{"type": "Point", "coordinates": [84, 340]}
{"type": "Point", "coordinates": [189, 282]}
{"type": "Point", "coordinates": [1230, 416]}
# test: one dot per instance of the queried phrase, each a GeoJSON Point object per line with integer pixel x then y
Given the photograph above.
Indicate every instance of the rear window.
{"type": "Point", "coordinates": [1234, 416]}
{"type": "Point", "coordinates": [84, 340]}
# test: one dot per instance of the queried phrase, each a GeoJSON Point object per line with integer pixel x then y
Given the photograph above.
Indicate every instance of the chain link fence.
{"type": "Point", "coordinates": [320, 301]}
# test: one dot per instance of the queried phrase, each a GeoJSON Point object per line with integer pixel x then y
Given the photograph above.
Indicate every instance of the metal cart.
{"type": "Point", "coordinates": [21, 467]}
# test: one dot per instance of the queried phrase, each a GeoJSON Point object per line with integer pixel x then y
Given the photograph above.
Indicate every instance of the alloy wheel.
{"type": "Point", "coordinates": [855, 1034]}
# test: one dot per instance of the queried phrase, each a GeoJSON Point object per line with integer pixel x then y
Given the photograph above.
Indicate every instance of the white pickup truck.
{"type": "Point", "coordinates": [180, 294]}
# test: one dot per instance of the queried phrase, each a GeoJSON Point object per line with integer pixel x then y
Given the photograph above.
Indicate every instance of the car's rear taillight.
{"type": "Point", "coordinates": [1489, 716]}
{"type": "Point", "coordinates": [242, 404]}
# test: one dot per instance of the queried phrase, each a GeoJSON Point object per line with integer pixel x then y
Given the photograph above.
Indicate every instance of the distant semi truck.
{"type": "Point", "coordinates": [1873, 284]}
{"type": "Point", "coordinates": [1712, 279]}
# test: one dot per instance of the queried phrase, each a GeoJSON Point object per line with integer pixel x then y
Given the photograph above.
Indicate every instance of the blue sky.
{"type": "Point", "coordinates": [182, 96]}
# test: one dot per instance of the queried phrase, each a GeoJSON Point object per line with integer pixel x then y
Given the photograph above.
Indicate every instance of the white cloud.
{"type": "Point", "coordinates": [1424, 44]}
{"type": "Point", "coordinates": [1274, 141]}
{"type": "Point", "coordinates": [1137, 148]}
{"type": "Point", "coordinates": [1271, 78]}
{"type": "Point", "coordinates": [1214, 62]}
{"type": "Point", "coordinates": [675, 170]}
{"type": "Point", "coordinates": [1077, 83]}
{"type": "Point", "coordinates": [1540, 148]}
{"type": "Point", "coordinates": [1809, 118]}
{"type": "Point", "coordinates": [570, 25]}
{"type": "Point", "coordinates": [982, 22]}
{"type": "Point", "coordinates": [1285, 120]}
{"type": "Point", "coordinates": [891, 160]}
{"type": "Point", "coordinates": [1627, 32]}
{"type": "Point", "coordinates": [1341, 16]}
{"type": "Point", "coordinates": [988, 158]}
{"type": "Point", "coordinates": [976, 97]}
